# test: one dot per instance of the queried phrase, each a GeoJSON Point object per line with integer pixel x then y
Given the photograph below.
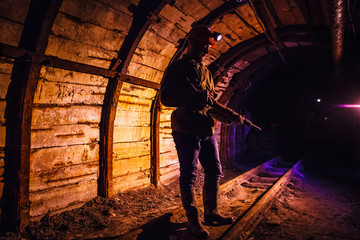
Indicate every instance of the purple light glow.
{"type": "Point", "coordinates": [349, 105]}
{"type": "Point", "coordinates": [298, 170]}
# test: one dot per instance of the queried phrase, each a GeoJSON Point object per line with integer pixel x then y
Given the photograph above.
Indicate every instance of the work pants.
{"type": "Point", "coordinates": [192, 149]}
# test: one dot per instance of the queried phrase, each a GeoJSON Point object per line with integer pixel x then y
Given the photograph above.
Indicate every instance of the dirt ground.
{"type": "Point", "coordinates": [105, 218]}
{"type": "Point", "coordinates": [315, 208]}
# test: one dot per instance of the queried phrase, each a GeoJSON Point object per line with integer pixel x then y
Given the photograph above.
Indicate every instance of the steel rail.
{"type": "Point", "coordinates": [246, 222]}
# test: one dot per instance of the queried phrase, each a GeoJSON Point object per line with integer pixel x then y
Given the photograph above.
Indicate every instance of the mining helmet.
{"type": "Point", "coordinates": [204, 34]}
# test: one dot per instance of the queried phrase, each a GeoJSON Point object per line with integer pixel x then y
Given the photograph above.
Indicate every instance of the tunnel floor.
{"type": "Point", "coordinates": [311, 207]}
{"type": "Point", "coordinates": [314, 208]}
{"type": "Point", "coordinates": [104, 218]}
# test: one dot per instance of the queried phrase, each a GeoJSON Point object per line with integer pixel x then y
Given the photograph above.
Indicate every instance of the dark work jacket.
{"type": "Point", "coordinates": [180, 87]}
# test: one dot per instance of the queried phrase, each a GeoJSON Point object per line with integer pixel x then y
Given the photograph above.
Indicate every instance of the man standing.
{"type": "Point", "coordinates": [188, 86]}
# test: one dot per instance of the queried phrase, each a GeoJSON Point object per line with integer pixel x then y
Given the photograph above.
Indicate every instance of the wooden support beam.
{"type": "Point", "coordinates": [18, 114]}
{"type": "Point", "coordinates": [144, 15]}
{"type": "Point", "coordinates": [15, 52]}
{"type": "Point", "coordinates": [143, 18]}
{"type": "Point", "coordinates": [155, 141]}
{"type": "Point", "coordinates": [140, 82]}
{"type": "Point", "coordinates": [253, 29]}
{"type": "Point", "coordinates": [108, 114]}
{"type": "Point", "coordinates": [269, 5]}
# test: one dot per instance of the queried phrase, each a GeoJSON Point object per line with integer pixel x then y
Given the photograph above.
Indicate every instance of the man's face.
{"type": "Point", "coordinates": [203, 49]}
{"type": "Point", "coordinates": [199, 49]}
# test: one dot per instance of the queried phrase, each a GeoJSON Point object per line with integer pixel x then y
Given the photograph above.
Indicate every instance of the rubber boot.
{"type": "Point", "coordinates": [211, 212]}
{"type": "Point", "coordinates": [192, 214]}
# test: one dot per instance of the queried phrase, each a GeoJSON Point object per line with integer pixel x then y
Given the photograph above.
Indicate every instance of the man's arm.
{"type": "Point", "coordinates": [228, 116]}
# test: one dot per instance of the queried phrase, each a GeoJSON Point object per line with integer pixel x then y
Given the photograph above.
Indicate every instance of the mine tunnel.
{"type": "Point", "coordinates": [80, 111]}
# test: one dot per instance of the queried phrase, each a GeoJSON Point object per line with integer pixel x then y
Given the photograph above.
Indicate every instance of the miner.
{"type": "Point", "coordinates": [188, 85]}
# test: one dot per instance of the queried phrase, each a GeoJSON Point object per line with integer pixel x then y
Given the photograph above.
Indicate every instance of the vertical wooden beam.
{"type": "Point", "coordinates": [108, 113]}
{"type": "Point", "coordinates": [155, 141]}
{"type": "Point", "coordinates": [273, 13]}
{"type": "Point", "coordinates": [143, 16]}
{"type": "Point", "coordinates": [18, 114]}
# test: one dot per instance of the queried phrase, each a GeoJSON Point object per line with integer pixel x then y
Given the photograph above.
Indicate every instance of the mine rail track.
{"type": "Point", "coordinates": [247, 196]}
{"type": "Point", "coordinates": [247, 221]}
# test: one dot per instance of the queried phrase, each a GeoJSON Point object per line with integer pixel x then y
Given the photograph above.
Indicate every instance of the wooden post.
{"type": "Point", "coordinates": [18, 114]}
{"type": "Point", "coordinates": [155, 141]}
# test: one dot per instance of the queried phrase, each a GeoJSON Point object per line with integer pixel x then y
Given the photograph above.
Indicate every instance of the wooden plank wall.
{"type": "Point", "coordinates": [169, 163]}
{"type": "Point", "coordinates": [149, 62]}
{"type": "Point", "coordinates": [131, 149]}
{"type": "Point", "coordinates": [12, 18]}
{"type": "Point", "coordinates": [89, 32]}
{"type": "Point", "coordinates": [64, 164]}
{"type": "Point", "coordinates": [64, 140]}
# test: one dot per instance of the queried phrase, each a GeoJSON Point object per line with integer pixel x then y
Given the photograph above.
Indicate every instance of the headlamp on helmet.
{"type": "Point", "coordinates": [216, 36]}
{"type": "Point", "coordinates": [204, 34]}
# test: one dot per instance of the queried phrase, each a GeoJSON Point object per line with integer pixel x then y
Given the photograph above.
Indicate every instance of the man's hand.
{"type": "Point", "coordinates": [240, 119]}
{"type": "Point", "coordinates": [208, 97]}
